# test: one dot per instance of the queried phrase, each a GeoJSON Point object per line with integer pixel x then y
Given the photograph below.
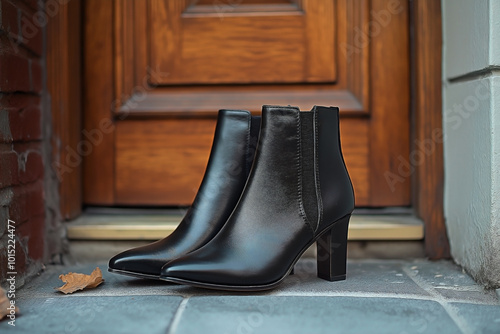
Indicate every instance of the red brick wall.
{"type": "Point", "coordinates": [23, 145]}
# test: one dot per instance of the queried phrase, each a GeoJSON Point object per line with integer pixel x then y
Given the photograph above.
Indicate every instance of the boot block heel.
{"type": "Point", "coordinates": [332, 251]}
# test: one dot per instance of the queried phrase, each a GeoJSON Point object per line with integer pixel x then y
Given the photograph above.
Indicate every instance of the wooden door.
{"type": "Point", "coordinates": [157, 71]}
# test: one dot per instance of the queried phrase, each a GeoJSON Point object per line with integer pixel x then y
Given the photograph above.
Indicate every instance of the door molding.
{"type": "Point", "coordinates": [427, 109]}
{"type": "Point", "coordinates": [133, 75]}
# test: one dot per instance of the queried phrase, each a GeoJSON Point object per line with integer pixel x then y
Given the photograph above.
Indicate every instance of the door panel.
{"type": "Point", "coordinates": [251, 43]}
{"type": "Point", "coordinates": [175, 63]}
{"type": "Point", "coordinates": [155, 154]}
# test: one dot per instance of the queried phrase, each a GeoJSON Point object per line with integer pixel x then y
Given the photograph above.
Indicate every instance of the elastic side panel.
{"type": "Point", "coordinates": [337, 194]}
{"type": "Point", "coordinates": [309, 198]}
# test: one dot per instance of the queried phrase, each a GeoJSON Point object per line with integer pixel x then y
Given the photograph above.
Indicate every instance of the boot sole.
{"type": "Point", "coordinates": [133, 274]}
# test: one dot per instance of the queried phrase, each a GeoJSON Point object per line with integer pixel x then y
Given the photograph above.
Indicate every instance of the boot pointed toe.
{"type": "Point", "coordinates": [136, 262]}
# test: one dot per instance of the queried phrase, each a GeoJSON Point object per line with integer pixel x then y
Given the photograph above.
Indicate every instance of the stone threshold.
{"type": "Point", "coordinates": [137, 224]}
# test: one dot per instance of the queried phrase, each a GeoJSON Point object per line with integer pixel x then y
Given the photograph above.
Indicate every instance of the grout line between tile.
{"type": "Point", "coordinates": [470, 288]}
{"type": "Point", "coordinates": [280, 294]}
{"type": "Point", "coordinates": [177, 316]}
{"type": "Point", "coordinates": [450, 309]}
{"type": "Point", "coordinates": [370, 295]}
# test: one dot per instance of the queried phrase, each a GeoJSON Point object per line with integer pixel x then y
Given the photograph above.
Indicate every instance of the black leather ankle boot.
{"type": "Point", "coordinates": [298, 192]}
{"type": "Point", "coordinates": [230, 162]}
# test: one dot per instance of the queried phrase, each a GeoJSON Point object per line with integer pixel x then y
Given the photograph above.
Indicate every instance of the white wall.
{"type": "Point", "coordinates": [471, 122]}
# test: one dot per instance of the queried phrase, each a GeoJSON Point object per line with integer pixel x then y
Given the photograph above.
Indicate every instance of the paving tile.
{"type": "Point", "coordinates": [287, 314]}
{"type": "Point", "coordinates": [387, 296]}
{"type": "Point", "coordinates": [70, 314]}
{"type": "Point", "coordinates": [448, 279]}
{"type": "Point", "coordinates": [114, 284]}
{"type": "Point", "coordinates": [480, 318]}
{"type": "Point", "coordinates": [362, 277]}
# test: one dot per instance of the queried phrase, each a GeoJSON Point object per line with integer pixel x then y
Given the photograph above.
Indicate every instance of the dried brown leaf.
{"type": "Point", "coordinates": [75, 281]}
{"type": "Point", "coordinates": [5, 304]}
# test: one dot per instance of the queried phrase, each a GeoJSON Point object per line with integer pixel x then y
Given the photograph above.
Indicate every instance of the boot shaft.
{"type": "Point", "coordinates": [335, 186]}
{"type": "Point", "coordinates": [231, 158]}
{"type": "Point", "coordinates": [306, 150]}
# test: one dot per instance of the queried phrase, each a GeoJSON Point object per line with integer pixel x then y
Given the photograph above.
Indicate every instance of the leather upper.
{"type": "Point", "coordinates": [268, 228]}
{"type": "Point", "coordinates": [225, 176]}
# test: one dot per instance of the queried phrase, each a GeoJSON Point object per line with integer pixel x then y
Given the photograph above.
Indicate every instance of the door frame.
{"type": "Point", "coordinates": [426, 123]}
{"type": "Point", "coordinates": [426, 172]}
{"type": "Point", "coordinates": [63, 62]}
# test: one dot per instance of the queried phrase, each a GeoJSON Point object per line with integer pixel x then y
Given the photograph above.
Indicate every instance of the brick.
{"type": "Point", "coordinates": [18, 101]}
{"type": "Point", "coordinates": [32, 25]}
{"type": "Point", "coordinates": [15, 71]}
{"type": "Point", "coordinates": [31, 167]}
{"type": "Point", "coordinates": [21, 116]}
{"type": "Point", "coordinates": [10, 19]}
{"type": "Point", "coordinates": [28, 202]}
{"type": "Point", "coordinates": [33, 4]}
{"type": "Point", "coordinates": [25, 124]}
{"type": "Point", "coordinates": [31, 235]}
{"type": "Point", "coordinates": [20, 147]}
{"type": "Point", "coordinates": [36, 76]}
{"type": "Point", "coordinates": [9, 173]}
{"type": "Point", "coordinates": [24, 165]}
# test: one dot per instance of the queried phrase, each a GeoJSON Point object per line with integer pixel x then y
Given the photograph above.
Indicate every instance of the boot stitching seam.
{"type": "Point", "coordinates": [249, 133]}
{"type": "Point", "coordinates": [316, 169]}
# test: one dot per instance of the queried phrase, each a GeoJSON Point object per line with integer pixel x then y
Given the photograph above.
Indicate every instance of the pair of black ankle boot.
{"type": "Point", "coordinates": [273, 186]}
